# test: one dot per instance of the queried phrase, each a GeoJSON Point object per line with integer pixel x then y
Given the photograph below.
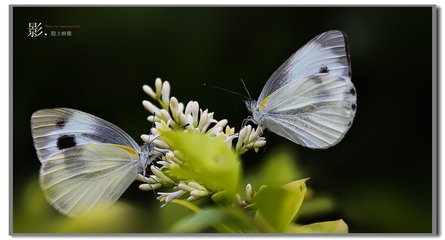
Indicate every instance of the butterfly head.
{"type": "Point", "coordinates": [146, 155]}
{"type": "Point", "coordinates": [251, 105]}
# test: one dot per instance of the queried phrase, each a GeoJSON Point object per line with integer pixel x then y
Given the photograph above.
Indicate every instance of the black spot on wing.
{"type": "Point", "coordinates": [352, 91]}
{"type": "Point", "coordinates": [61, 123]}
{"type": "Point", "coordinates": [66, 141]}
{"type": "Point", "coordinates": [323, 69]}
{"type": "Point", "coordinates": [354, 106]}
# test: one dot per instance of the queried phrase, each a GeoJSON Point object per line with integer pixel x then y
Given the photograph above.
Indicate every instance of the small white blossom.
{"type": "Point", "coordinates": [249, 138]}
{"type": "Point", "coordinates": [150, 107]}
{"type": "Point", "coordinates": [172, 115]}
{"type": "Point", "coordinates": [158, 86]}
{"type": "Point", "coordinates": [149, 186]}
{"type": "Point", "coordinates": [192, 109]}
{"type": "Point", "coordinates": [167, 197]}
{"type": "Point", "coordinates": [160, 175]}
{"type": "Point", "coordinates": [165, 92]}
{"type": "Point", "coordinates": [147, 89]}
{"type": "Point", "coordinates": [249, 193]}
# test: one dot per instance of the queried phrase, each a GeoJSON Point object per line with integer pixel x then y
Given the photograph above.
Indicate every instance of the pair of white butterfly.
{"type": "Point", "coordinates": [87, 162]}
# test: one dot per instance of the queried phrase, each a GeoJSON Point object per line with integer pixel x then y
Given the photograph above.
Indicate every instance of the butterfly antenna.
{"type": "Point", "coordinates": [226, 90]}
{"type": "Point", "coordinates": [245, 88]}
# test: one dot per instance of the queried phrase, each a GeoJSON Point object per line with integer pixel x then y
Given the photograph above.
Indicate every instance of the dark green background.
{"type": "Point", "coordinates": [380, 174]}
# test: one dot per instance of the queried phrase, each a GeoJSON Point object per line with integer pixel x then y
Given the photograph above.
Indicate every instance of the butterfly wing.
{"type": "Point", "coordinates": [326, 53]}
{"type": "Point", "coordinates": [88, 177]}
{"type": "Point", "coordinates": [315, 112]}
{"type": "Point", "coordinates": [60, 128]}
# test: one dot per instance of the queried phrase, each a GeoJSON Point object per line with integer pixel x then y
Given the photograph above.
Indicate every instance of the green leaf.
{"type": "Point", "coordinates": [207, 160]}
{"type": "Point", "coordinates": [278, 168]}
{"type": "Point", "coordinates": [278, 206]}
{"type": "Point", "coordinates": [222, 219]}
{"type": "Point", "coordinates": [187, 204]}
{"type": "Point", "coordinates": [329, 227]}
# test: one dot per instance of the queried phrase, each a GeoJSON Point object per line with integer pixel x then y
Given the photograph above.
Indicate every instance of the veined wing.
{"type": "Point", "coordinates": [326, 53]}
{"type": "Point", "coordinates": [60, 128]}
{"type": "Point", "coordinates": [88, 177]}
{"type": "Point", "coordinates": [315, 112]}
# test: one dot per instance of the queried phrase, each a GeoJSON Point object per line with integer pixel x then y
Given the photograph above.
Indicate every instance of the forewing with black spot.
{"type": "Point", "coordinates": [57, 129]}
{"type": "Point", "coordinates": [326, 53]}
{"type": "Point", "coordinates": [315, 112]}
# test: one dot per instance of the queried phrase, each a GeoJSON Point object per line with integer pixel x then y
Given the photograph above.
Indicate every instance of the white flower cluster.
{"type": "Point", "coordinates": [173, 114]}
{"type": "Point", "coordinates": [249, 194]}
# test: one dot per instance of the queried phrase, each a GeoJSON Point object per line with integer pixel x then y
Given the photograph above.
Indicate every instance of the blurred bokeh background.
{"type": "Point", "coordinates": [378, 178]}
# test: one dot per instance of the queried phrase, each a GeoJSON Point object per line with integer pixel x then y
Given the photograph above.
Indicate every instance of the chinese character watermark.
{"type": "Point", "coordinates": [34, 29]}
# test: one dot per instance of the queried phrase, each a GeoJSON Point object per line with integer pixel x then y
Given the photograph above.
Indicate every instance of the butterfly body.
{"type": "Point", "coordinates": [87, 162]}
{"type": "Point", "coordinates": [310, 99]}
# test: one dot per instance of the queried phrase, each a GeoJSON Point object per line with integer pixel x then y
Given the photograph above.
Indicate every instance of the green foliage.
{"type": "Point", "coordinates": [227, 220]}
{"type": "Point", "coordinates": [33, 214]}
{"type": "Point", "coordinates": [329, 227]}
{"type": "Point", "coordinates": [273, 208]}
{"type": "Point", "coordinates": [278, 206]}
{"type": "Point", "coordinates": [278, 168]}
{"type": "Point", "coordinates": [207, 160]}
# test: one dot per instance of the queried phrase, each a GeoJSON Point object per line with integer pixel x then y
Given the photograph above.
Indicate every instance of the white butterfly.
{"type": "Point", "coordinates": [310, 98]}
{"type": "Point", "coordinates": [87, 162]}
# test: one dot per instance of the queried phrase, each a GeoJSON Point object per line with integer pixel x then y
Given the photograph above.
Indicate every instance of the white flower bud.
{"type": "Point", "coordinates": [147, 138]}
{"type": "Point", "coordinates": [158, 87]}
{"type": "Point", "coordinates": [173, 195]}
{"type": "Point", "coordinates": [196, 185]}
{"type": "Point", "coordinates": [189, 122]}
{"type": "Point", "coordinates": [192, 198]}
{"type": "Point", "coordinates": [249, 131]}
{"type": "Point", "coordinates": [160, 175]}
{"type": "Point", "coordinates": [248, 192]}
{"type": "Point", "coordinates": [153, 118]}
{"type": "Point", "coordinates": [185, 187]}
{"type": "Point", "coordinates": [149, 187]}
{"type": "Point", "coordinates": [259, 143]}
{"type": "Point", "coordinates": [215, 131]}
{"type": "Point", "coordinates": [174, 108]}
{"type": "Point", "coordinates": [166, 92]}
{"type": "Point", "coordinates": [165, 115]}
{"type": "Point", "coordinates": [149, 91]}
{"type": "Point", "coordinates": [199, 193]}
{"type": "Point", "coordinates": [255, 134]}
{"type": "Point", "coordinates": [159, 143]}
{"type": "Point", "coordinates": [181, 107]}
{"type": "Point", "coordinates": [150, 107]}
{"type": "Point", "coordinates": [155, 132]}
{"type": "Point", "coordinates": [192, 109]}
{"type": "Point", "coordinates": [241, 136]}
{"type": "Point", "coordinates": [203, 121]}
{"type": "Point", "coordinates": [183, 121]}
{"type": "Point", "coordinates": [141, 178]}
